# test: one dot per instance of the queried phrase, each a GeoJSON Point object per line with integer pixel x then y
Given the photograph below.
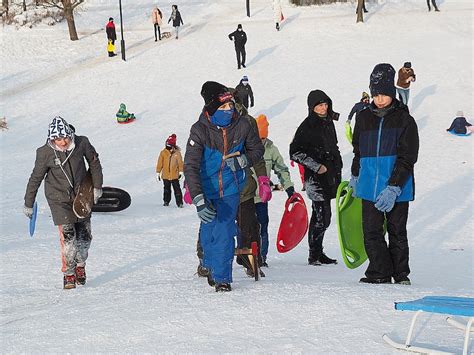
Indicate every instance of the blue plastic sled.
{"type": "Point", "coordinates": [459, 306]}
{"type": "Point", "coordinates": [459, 134]}
{"type": "Point", "coordinates": [33, 219]}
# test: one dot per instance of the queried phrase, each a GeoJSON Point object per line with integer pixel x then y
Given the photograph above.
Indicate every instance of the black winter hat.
{"type": "Point", "coordinates": [111, 18]}
{"type": "Point", "coordinates": [239, 25]}
{"type": "Point", "coordinates": [407, 65]}
{"type": "Point", "coordinates": [215, 95]}
{"type": "Point", "coordinates": [382, 80]}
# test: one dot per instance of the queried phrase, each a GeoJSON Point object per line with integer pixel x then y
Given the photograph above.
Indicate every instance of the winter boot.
{"type": "Point", "coordinates": [324, 259]}
{"type": "Point", "coordinates": [223, 287]}
{"type": "Point", "coordinates": [80, 275]}
{"type": "Point", "coordinates": [202, 271]}
{"type": "Point", "coordinates": [69, 281]}
{"type": "Point", "coordinates": [314, 258]}
{"type": "Point", "coordinates": [278, 26]}
{"type": "Point", "coordinates": [210, 280]}
{"type": "Point", "coordinates": [180, 205]}
{"type": "Point", "coordinates": [166, 204]}
{"type": "Point", "coordinates": [368, 280]}
{"type": "Point", "coordinates": [404, 280]}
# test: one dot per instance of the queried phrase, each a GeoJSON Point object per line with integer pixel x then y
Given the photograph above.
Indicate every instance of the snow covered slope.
{"type": "Point", "coordinates": [142, 294]}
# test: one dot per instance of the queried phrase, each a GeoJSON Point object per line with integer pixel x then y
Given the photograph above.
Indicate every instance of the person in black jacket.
{"type": "Point", "coordinates": [359, 106]}
{"type": "Point", "coordinates": [315, 147]}
{"type": "Point", "coordinates": [176, 17]}
{"type": "Point", "coordinates": [244, 91]}
{"type": "Point", "coordinates": [385, 142]}
{"type": "Point", "coordinates": [240, 38]}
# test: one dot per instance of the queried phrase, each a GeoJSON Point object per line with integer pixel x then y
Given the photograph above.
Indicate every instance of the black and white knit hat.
{"type": "Point", "coordinates": [59, 128]}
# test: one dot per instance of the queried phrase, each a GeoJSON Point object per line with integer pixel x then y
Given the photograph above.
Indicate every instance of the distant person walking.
{"type": "Point", "coordinates": [240, 38]}
{"type": "Point", "coordinates": [111, 36]}
{"type": "Point", "coordinates": [176, 17]}
{"type": "Point", "coordinates": [277, 13]}
{"type": "Point", "coordinates": [244, 92]}
{"type": "Point", "coordinates": [156, 17]}
{"type": "Point", "coordinates": [406, 76]}
{"type": "Point", "coordinates": [434, 5]}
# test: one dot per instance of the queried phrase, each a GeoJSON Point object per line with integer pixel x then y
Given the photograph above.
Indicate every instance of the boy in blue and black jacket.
{"type": "Point", "coordinates": [385, 142]}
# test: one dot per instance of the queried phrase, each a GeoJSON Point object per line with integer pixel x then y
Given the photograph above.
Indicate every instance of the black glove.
{"type": "Point", "coordinates": [290, 191]}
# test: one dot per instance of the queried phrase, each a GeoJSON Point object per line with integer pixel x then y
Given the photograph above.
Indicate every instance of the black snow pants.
{"type": "Point", "coordinates": [392, 260]}
{"type": "Point", "coordinates": [240, 53]}
{"type": "Point", "coordinates": [320, 221]}
{"type": "Point", "coordinates": [157, 27]}
{"type": "Point", "coordinates": [75, 242]}
{"type": "Point", "coordinates": [178, 194]}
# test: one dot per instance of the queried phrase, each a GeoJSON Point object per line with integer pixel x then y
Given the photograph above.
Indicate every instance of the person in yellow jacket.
{"type": "Point", "coordinates": [169, 168]}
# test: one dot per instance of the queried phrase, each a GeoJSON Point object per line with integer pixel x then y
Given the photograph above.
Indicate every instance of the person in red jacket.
{"type": "Point", "coordinates": [111, 34]}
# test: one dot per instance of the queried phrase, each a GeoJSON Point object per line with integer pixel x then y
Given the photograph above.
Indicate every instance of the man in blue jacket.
{"type": "Point", "coordinates": [215, 178]}
{"type": "Point", "coordinates": [385, 142]}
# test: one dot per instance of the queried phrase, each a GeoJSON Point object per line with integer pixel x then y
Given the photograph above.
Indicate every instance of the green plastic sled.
{"type": "Point", "coordinates": [349, 226]}
{"type": "Point", "coordinates": [348, 129]}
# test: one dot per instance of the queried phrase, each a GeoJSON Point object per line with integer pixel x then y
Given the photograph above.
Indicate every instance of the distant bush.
{"type": "Point", "coordinates": [34, 15]}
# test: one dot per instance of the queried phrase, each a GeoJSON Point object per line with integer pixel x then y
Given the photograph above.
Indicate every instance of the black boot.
{"type": "Point", "coordinates": [324, 259]}
{"type": "Point", "coordinates": [384, 280]}
{"type": "Point", "coordinates": [223, 287]}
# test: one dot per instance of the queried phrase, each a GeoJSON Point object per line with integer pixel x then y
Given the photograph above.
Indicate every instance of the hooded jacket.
{"type": "Point", "coordinates": [315, 144]}
{"type": "Point", "coordinates": [58, 191]}
{"type": "Point", "coordinates": [176, 17]}
{"type": "Point", "coordinates": [204, 168]}
{"type": "Point", "coordinates": [274, 161]}
{"type": "Point", "coordinates": [385, 152]}
{"type": "Point", "coordinates": [170, 163]}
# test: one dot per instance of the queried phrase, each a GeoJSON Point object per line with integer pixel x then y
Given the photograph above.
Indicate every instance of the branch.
{"type": "Point", "coordinates": [76, 3]}
{"type": "Point", "coordinates": [52, 3]}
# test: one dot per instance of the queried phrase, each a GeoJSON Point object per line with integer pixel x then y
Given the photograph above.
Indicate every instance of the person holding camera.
{"type": "Point", "coordinates": [406, 76]}
{"type": "Point", "coordinates": [315, 147]}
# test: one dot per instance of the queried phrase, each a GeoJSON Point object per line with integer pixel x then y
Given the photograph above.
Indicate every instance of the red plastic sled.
{"type": "Point", "coordinates": [293, 225]}
{"type": "Point", "coordinates": [127, 122]}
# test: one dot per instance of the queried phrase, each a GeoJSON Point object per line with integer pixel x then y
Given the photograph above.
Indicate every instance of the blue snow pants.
{"type": "Point", "coordinates": [217, 238]}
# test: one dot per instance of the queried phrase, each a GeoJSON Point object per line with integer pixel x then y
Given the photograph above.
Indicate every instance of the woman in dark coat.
{"type": "Point", "coordinates": [176, 17]}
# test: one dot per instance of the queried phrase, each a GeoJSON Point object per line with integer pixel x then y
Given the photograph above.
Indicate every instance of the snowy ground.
{"type": "Point", "coordinates": [142, 294]}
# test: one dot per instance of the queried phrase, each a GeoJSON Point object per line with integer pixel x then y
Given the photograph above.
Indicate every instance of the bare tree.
{"type": "Point", "coordinates": [5, 7]}
{"type": "Point", "coordinates": [360, 14]}
{"type": "Point", "coordinates": [68, 7]}
{"type": "Point", "coordinates": [24, 5]}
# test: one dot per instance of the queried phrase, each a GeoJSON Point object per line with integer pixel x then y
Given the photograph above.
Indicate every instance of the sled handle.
{"type": "Point", "coordinates": [231, 155]}
{"type": "Point", "coordinates": [294, 198]}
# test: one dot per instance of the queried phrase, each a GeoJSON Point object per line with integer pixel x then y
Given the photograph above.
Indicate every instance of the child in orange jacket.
{"type": "Point", "coordinates": [169, 168]}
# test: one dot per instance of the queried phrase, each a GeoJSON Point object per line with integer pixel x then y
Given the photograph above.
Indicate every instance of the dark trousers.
{"type": "Point", "coordinates": [262, 218]}
{"type": "Point", "coordinates": [320, 221]}
{"type": "Point", "coordinates": [392, 260]}
{"type": "Point", "coordinates": [240, 53]}
{"type": "Point", "coordinates": [248, 225]}
{"type": "Point", "coordinates": [178, 195]}
{"type": "Point", "coordinates": [432, 2]}
{"type": "Point", "coordinates": [157, 27]}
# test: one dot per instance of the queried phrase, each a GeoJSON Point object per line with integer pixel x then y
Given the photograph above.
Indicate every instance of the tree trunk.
{"type": "Point", "coordinates": [69, 14]}
{"type": "Point", "coordinates": [5, 6]}
{"type": "Point", "coordinates": [360, 14]}
{"type": "Point", "coordinates": [24, 5]}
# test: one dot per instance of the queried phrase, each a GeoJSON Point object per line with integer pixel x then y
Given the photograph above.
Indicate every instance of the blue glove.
{"type": "Point", "coordinates": [205, 212]}
{"type": "Point", "coordinates": [237, 163]}
{"type": "Point", "coordinates": [353, 183]}
{"type": "Point", "coordinates": [386, 199]}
